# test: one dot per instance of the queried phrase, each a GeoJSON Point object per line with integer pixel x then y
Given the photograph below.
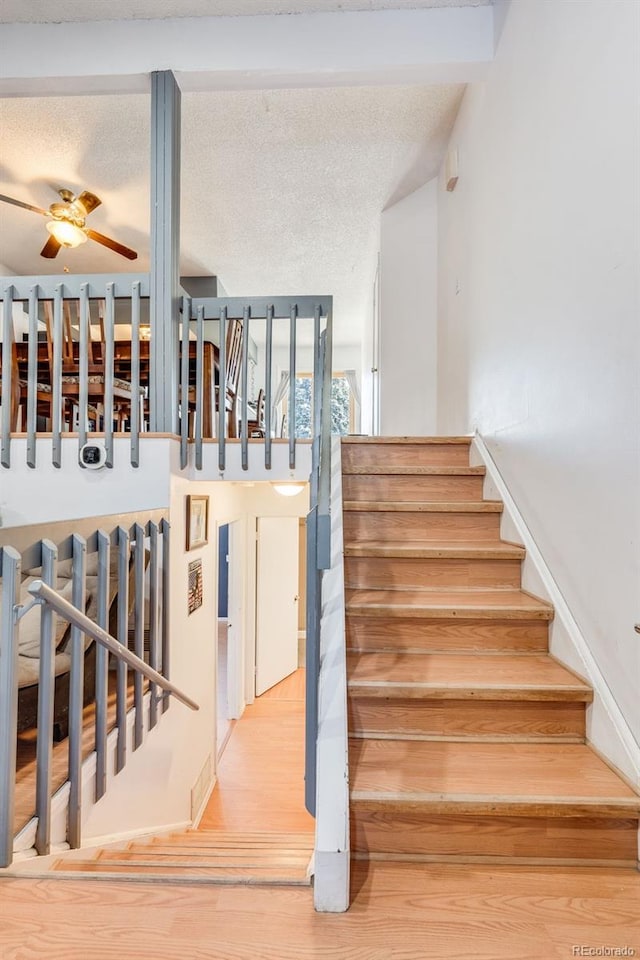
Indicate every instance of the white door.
{"type": "Point", "coordinates": [276, 601]}
{"type": "Point", "coordinates": [235, 633]}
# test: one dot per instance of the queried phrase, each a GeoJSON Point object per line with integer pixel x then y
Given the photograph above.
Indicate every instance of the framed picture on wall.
{"type": "Point", "coordinates": [194, 593]}
{"type": "Point", "coordinates": [197, 521]}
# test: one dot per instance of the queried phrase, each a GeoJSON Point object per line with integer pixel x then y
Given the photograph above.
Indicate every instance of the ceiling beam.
{"type": "Point", "coordinates": [438, 45]}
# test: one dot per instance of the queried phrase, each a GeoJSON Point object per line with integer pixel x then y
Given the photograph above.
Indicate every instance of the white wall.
{"type": "Point", "coordinates": [538, 303]}
{"type": "Point", "coordinates": [48, 493]}
{"type": "Point", "coordinates": [408, 315]}
{"type": "Point", "coordinates": [369, 360]}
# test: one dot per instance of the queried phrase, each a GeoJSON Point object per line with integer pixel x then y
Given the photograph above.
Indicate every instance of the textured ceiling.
{"type": "Point", "coordinates": [281, 190]}
{"type": "Point", "coordinates": [60, 11]}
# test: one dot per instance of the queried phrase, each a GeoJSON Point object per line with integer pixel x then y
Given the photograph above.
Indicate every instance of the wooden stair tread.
{"type": "Point", "coordinates": [423, 506]}
{"type": "Point", "coordinates": [417, 470]}
{"type": "Point", "coordinates": [437, 549]}
{"type": "Point", "coordinates": [215, 856]}
{"type": "Point", "coordinates": [420, 440]}
{"type": "Point", "coordinates": [241, 854]}
{"type": "Point", "coordinates": [557, 779]}
{"type": "Point", "coordinates": [186, 857]}
{"type": "Point", "coordinates": [133, 870]}
{"type": "Point", "coordinates": [462, 603]}
{"type": "Point", "coordinates": [462, 675]}
{"type": "Point", "coordinates": [216, 839]}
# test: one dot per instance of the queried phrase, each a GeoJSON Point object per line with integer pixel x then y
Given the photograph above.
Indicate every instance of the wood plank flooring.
{"type": "Point", "coordinates": [261, 774]}
{"type": "Point", "coordinates": [398, 912]}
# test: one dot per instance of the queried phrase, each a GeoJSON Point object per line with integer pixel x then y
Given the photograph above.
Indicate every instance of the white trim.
{"type": "Point", "coordinates": [607, 728]}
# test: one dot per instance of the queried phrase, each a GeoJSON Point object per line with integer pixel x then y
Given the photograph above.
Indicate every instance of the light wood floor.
{"type": "Point", "coordinates": [260, 775]}
{"type": "Point", "coordinates": [399, 912]}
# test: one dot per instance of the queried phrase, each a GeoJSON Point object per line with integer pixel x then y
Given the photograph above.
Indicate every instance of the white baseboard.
{"type": "Point", "coordinates": [136, 834]}
{"type": "Point", "coordinates": [203, 805]}
{"type": "Point", "coordinates": [607, 728]}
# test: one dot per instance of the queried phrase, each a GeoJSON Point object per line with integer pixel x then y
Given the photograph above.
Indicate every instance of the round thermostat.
{"type": "Point", "coordinates": [93, 455]}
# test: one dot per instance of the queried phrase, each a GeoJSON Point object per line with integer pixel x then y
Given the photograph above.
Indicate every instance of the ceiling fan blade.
{"type": "Point", "coordinates": [51, 248]}
{"type": "Point", "coordinates": [27, 206]}
{"type": "Point", "coordinates": [113, 245]}
{"type": "Point", "coordinates": [89, 201]}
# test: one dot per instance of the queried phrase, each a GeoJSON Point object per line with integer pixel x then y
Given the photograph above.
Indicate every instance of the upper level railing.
{"type": "Point", "coordinates": [65, 364]}
{"type": "Point", "coordinates": [268, 326]}
{"type": "Point", "coordinates": [78, 358]}
{"type": "Point", "coordinates": [110, 591]}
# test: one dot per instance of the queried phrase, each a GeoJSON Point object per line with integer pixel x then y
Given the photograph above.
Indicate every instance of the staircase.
{"type": "Point", "coordinates": [205, 856]}
{"type": "Point", "coordinates": [467, 739]}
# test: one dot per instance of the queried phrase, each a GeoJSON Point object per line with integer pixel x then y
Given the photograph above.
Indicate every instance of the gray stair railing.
{"type": "Point", "coordinates": [318, 526]}
{"type": "Point", "coordinates": [284, 324]}
{"type": "Point", "coordinates": [42, 593]}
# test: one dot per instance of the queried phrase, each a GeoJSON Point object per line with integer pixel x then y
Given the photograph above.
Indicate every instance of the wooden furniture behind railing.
{"type": "Point", "coordinates": [16, 390]}
{"type": "Point", "coordinates": [75, 374]}
{"type": "Point", "coordinates": [211, 402]}
{"type": "Point", "coordinates": [256, 427]}
{"type": "Point", "coordinates": [96, 376]}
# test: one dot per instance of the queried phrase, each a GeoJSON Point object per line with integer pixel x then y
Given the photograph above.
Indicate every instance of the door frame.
{"type": "Point", "coordinates": [236, 632]}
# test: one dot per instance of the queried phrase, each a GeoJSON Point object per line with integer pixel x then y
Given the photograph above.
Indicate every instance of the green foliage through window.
{"type": "Point", "coordinates": [340, 407]}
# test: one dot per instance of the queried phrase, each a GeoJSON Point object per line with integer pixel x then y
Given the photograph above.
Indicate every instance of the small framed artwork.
{"type": "Point", "coordinates": [194, 594]}
{"type": "Point", "coordinates": [197, 521]}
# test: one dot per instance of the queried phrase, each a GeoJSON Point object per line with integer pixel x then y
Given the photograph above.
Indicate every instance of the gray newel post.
{"type": "Point", "coordinates": [165, 249]}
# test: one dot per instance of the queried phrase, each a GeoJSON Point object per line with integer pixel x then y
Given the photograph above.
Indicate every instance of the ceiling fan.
{"type": "Point", "coordinates": [66, 223]}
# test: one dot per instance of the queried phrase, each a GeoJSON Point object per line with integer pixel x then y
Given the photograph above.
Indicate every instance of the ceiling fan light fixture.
{"type": "Point", "coordinates": [67, 234]}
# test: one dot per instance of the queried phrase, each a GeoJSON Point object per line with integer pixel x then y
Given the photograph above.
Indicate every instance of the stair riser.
{"type": "Point", "coordinates": [404, 454]}
{"type": "Point", "coordinates": [375, 832]}
{"type": "Point", "coordinates": [148, 857]}
{"type": "Point", "coordinates": [363, 525]}
{"type": "Point", "coordinates": [399, 573]}
{"type": "Point", "coordinates": [387, 487]}
{"type": "Point", "coordinates": [391, 633]}
{"type": "Point", "coordinates": [229, 875]}
{"type": "Point", "coordinates": [463, 719]}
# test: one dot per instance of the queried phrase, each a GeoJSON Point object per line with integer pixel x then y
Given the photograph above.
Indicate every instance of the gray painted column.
{"type": "Point", "coordinates": [165, 249]}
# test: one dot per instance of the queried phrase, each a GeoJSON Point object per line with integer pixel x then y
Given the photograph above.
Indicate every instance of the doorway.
{"type": "Point", "coordinates": [266, 744]}
{"type": "Point", "coordinates": [230, 633]}
{"type": "Point", "coordinates": [277, 601]}
{"type": "Point", "coordinates": [223, 721]}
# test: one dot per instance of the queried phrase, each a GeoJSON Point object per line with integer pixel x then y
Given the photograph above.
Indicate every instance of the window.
{"type": "Point", "coordinates": [341, 406]}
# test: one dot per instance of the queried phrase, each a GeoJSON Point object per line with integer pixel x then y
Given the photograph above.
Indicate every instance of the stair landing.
{"type": "Point", "coordinates": [205, 856]}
